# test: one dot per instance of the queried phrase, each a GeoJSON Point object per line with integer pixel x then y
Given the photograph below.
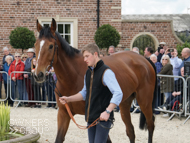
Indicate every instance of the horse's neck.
{"type": "Point", "coordinates": [69, 70]}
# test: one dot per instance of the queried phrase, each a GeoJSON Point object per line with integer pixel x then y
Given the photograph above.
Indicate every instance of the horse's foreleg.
{"type": "Point", "coordinates": [126, 117]}
{"type": "Point", "coordinates": [63, 120]}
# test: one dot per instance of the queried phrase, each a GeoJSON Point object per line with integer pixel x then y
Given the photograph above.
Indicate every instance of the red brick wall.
{"type": "Point", "coordinates": [161, 30]}
{"type": "Point", "coordinates": [26, 12]}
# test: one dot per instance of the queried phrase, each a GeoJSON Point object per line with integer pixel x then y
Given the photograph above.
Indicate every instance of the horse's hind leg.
{"type": "Point", "coordinates": [145, 103]}
{"type": "Point", "coordinates": [63, 124]}
{"type": "Point", "coordinates": [126, 117]}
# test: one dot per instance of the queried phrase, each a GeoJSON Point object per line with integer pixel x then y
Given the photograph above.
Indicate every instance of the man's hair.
{"type": "Point", "coordinates": [187, 50]}
{"type": "Point", "coordinates": [5, 48]}
{"type": "Point", "coordinates": [153, 55]}
{"type": "Point", "coordinates": [7, 57]}
{"type": "Point", "coordinates": [150, 49]}
{"type": "Point", "coordinates": [92, 48]}
{"type": "Point", "coordinates": [112, 47]}
{"type": "Point", "coordinates": [167, 57]}
{"type": "Point", "coordinates": [17, 54]}
{"type": "Point", "coordinates": [136, 48]}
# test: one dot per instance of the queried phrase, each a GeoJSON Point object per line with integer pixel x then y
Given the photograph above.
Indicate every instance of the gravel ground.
{"type": "Point", "coordinates": [45, 121]}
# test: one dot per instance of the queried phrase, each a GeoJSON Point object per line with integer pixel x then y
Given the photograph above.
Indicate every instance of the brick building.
{"type": "Point", "coordinates": [77, 21]}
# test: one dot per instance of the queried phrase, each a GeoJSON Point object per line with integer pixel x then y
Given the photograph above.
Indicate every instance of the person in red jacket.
{"type": "Point", "coordinates": [17, 78]}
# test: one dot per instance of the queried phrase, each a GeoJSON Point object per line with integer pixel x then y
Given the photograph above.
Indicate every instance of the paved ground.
{"type": "Point", "coordinates": [45, 121]}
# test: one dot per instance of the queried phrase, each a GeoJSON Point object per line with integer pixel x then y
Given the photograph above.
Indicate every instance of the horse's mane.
{"type": "Point", "coordinates": [69, 50]}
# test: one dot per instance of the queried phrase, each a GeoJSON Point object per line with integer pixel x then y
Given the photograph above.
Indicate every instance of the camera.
{"type": "Point", "coordinates": [170, 50]}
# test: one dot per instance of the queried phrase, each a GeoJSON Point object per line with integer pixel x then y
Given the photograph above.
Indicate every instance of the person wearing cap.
{"type": "Point", "coordinates": [31, 55]}
{"type": "Point", "coordinates": [6, 52]}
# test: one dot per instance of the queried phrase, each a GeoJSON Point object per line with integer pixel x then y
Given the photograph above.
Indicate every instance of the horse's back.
{"type": "Point", "coordinates": [131, 70]}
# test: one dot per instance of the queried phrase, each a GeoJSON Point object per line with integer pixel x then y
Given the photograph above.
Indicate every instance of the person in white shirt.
{"type": "Point", "coordinates": [176, 63]}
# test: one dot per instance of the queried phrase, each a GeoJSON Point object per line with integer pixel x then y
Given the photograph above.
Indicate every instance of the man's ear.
{"type": "Point", "coordinates": [96, 54]}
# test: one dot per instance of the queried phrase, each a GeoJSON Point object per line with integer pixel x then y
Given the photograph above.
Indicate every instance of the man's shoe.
{"type": "Point", "coordinates": [163, 107]}
{"type": "Point", "coordinates": [156, 112]}
{"type": "Point", "coordinates": [116, 110]}
{"type": "Point", "coordinates": [48, 106]}
{"type": "Point", "coordinates": [137, 111]}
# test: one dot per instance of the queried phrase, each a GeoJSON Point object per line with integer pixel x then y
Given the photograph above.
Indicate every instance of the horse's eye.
{"type": "Point", "coordinates": [50, 46]}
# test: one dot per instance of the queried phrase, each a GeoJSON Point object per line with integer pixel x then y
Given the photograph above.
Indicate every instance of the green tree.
{"type": "Point", "coordinates": [22, 38]}
{"type": "Point", "coordinates": [180, 47]}
{"type": "Point", "coordinates": [106, 35]}
{"type": "Point", "coordinates": [183, 36]}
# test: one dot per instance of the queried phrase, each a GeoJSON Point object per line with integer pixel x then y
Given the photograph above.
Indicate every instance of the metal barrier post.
{"type": "Point", "coordinates": [3, 72]}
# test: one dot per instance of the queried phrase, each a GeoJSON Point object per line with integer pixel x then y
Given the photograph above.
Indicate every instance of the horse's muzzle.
{"type": "Point", "coordinates": [40, 77]}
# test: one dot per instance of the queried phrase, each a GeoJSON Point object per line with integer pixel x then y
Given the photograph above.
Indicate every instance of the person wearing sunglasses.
{"type": "Point", "coordinates": [166, 83]}
{"type": "Point", "coordinates": [23, 58]}
{"type": "Point", "coordinates": [16, 78]}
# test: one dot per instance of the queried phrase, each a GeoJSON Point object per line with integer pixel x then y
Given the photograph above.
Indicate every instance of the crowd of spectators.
{"type": "Point", "coordinates": [167, 62]}
{"type": "Point", "coordinates": [19, 83]}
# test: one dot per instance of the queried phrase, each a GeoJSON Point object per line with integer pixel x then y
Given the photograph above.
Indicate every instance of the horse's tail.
{"type": "Point", "coordinates": [142, 117]}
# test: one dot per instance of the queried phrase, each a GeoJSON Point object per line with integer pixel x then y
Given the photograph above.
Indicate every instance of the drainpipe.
{"type": "Point", "coordinates": [98, 13]}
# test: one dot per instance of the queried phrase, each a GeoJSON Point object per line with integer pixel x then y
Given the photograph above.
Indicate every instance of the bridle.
{"type": "Point", "coordinates": [55, 49]}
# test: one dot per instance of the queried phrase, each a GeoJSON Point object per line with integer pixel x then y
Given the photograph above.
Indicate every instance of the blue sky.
{"type": "Point", "coordinates": [155, 6]}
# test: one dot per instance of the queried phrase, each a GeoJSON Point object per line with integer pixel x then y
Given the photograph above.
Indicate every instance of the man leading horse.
{"type": "Point", "coordinates": [100, 84]}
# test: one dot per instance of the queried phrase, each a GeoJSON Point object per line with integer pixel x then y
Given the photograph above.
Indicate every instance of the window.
{"type": "Point", "coordinates": [65, 30]}
{"type": "Point", "coordinates": [66, 26]}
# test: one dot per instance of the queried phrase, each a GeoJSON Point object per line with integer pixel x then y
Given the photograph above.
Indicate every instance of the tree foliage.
{"type": "Point", "coordinates": [107, 35]}
{"type": "Point", "coordinates": [184, 36]}
{"type": "Point", "coordinates": [22, 38]}
{"type": "Point", "coordinates": [181, 46]}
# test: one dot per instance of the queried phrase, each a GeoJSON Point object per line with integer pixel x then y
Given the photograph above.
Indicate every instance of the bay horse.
{"type": "Point", "coordinates": [135, 75]}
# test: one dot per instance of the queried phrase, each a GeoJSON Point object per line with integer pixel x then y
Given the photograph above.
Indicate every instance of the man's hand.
{"type": "Point", "coordinates": [166, 52]}
{"type": "Point", "coordinates": [25, 75]}
{"type": "Point", "coordinates": [64, 99]}
{"type": "Point", "coordinates": [104, 116]}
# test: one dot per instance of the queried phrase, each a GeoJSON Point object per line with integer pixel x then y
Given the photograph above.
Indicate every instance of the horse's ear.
{"type": "Point", "coordinates": [53, 25]}
{"type": "Point", "coordinates": [38, 25]}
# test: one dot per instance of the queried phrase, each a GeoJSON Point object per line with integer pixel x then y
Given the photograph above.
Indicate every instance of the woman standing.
{"type": "Point", "coordinates": [17, 78]}
{"type": "Point", "coordinates": [166, 83]}
{"type": "Point", "coordinates": [6, 78]}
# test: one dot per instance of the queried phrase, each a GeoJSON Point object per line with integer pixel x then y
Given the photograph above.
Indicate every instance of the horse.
{"type": "Point", "coordinates": [135, 75]}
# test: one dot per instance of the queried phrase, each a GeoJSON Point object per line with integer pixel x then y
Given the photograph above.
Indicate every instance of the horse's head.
{"type": "Point", "coordinates": [46, 50]}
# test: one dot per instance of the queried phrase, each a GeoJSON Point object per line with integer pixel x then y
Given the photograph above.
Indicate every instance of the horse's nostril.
{"type": "Point", "coordinates": [40, 75]}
